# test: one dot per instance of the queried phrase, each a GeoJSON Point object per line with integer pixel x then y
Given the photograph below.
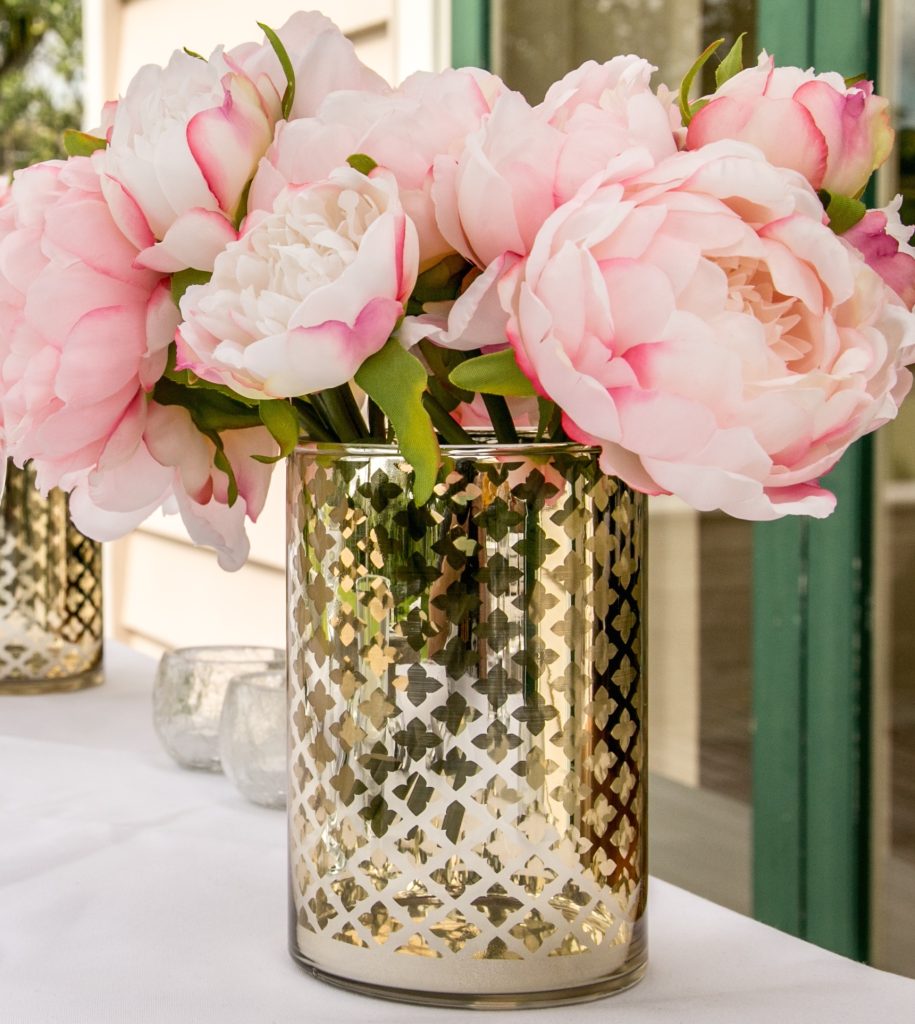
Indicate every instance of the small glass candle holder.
{"type": "Point", "coordinates": [252, 736]}
{"type": "Point", "coordinates": [189, 693]}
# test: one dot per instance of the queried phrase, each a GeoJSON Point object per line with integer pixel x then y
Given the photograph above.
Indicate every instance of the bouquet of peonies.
{"type": "Point", "coordinates": [272, 243]}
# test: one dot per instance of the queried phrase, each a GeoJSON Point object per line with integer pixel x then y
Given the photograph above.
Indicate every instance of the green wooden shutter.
{"type": "Point", "coordinates": [811, 630]}
{"type": "Point", "coordinates": [470, 39]}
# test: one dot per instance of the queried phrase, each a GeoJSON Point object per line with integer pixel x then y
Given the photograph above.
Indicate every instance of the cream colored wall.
{"type": "Point", "coordinates": [394, 37]}
{"type": "Point", "coordinates": [674, 639]}
{"type": "Point", "coordinates": [160, 591]}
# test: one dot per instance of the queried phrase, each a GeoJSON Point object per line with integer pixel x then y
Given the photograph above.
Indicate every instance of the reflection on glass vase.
{"type": "Point", "coordinates": [467, 726]}
{"type": "Point", "coordinates": [50, 593]}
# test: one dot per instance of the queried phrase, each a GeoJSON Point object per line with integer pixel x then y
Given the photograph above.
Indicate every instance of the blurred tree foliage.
{"type": "Point", "coordinates": [40, 78]}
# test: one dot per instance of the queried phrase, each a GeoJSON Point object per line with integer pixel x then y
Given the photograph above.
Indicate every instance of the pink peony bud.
{"type": "Point", "coordinates": [833, 134]}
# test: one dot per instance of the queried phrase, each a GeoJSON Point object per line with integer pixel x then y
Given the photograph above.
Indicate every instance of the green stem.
{"type": "Point", "coordinates": [315, 428]}
{"type": "Point", "coordinates": [451, 431]}
{"type": "Point", "coordinates": [501, 417]}
{"type": "Point", "coordinates": [337, 412]}
{"type": "Point", "coordinates": [348, 402]}
{"type": "Point", "coordinates": [337, 421]}
{"type": "Point", "coordinates": [377, 423]}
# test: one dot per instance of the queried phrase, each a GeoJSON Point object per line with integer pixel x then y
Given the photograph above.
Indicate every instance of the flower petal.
{"type": "Point", "coordinates": [195, 239]}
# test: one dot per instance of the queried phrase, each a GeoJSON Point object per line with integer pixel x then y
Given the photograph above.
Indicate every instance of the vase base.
{"type": "Point", "coordinates": [620, 981]}
{"type": "Point", "coordinates": [61, 684]}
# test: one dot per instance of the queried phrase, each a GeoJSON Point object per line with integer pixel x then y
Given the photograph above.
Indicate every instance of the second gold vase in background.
{"type": "Point", "coordinates": [50, 593]}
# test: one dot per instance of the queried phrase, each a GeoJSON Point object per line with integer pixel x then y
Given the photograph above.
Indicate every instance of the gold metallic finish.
{"type": "Point", "coordinates": [50, 593]}
{"type": "Point", "coordinates": [466, 726]}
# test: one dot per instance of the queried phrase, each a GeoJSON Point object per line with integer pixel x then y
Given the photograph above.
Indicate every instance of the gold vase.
{"type": "Point", "coordinates": [50, 593]}
{"type": "Point", "coordinates": [467, 726]}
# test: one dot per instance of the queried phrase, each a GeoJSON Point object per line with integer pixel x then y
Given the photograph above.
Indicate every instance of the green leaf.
{"type": "Point", "coordinates": [687, 82]}
{"type": "Point", "coordinates": [220, 461]}
{"type": "Point", "coordinates": [853, 81]}
{"type": "Point", "coordinates": [441, 361]}
{"type": "Point", "coordinates": [183, 280]}
{"type": "Point", "coordinates": [82, 143]}
{"type": "Point", "coordinates": [844, 212]}
{"type": "Point", "coordinates": [396, 381]}
{"type": "Point", "coordinates": [442, 282]}
{"type": "Point", "coordinates": [210, 410]}
{"type": "Point", "coordinates": [731, 65]}
{"type": "Point", "coordinates": [241, 211]}
{"type": "Point", "coordinates": [285, 63]}
{"type": "Point", "coordinates": [193, 53]}
{"type": "Point", "coordinates": [495, 374]}
{"type": "Point", "coordinates": [189, 379]}
{"type": "Point", "coordinates": [361, 163]}
{"type": "Point", "coordinates": [279, 417]}
{"type": "Point", "coordinates": [446, 397]}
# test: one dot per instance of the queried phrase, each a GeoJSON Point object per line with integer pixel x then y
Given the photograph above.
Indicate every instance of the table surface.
{"type": "Point", "coordinates": [134, 891]}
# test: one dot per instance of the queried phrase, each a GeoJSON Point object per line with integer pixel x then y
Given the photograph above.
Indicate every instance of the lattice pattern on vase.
{"type": "Point", "coordinates": [50, 592]}
{"type": "Point", "coordinates": [466, 721]}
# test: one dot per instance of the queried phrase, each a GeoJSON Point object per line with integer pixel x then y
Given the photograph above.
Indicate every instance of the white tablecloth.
{"type": "Point", "coordinates": [132, 891]}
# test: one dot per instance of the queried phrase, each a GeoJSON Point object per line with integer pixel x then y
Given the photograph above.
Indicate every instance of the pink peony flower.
{"type": "Point", "coordinates": [492, 197]}
{"type": "Point", "coordinates": [201, 490]}
{"type": "Point", "coordinates": [883, 241]}
{"type": "Point", "coordinates": [185, 140]}
{"type": "Point", "coordinates": [836, 136]}
{"type": "Point", "coordinates": [84, 331]}
{"type": "Point", "coordinates": [322, 58]}
{"type": "Point", "coordinates": [309, 292]}
{"type": "Point", "coordinates": [303, 152]}
{"type": "Point", "coordinates": [704, 327]}
{"type": "Point", "coordinates": [476, 319]}
{"type": "Point", "coordinates": [159, 458]}
{"type": "Point", "coordinates": [403, 131]}
{"type": "Point", "coordinates": [603, 110]}
{"type": "Point", "coordinates": [430, 118]}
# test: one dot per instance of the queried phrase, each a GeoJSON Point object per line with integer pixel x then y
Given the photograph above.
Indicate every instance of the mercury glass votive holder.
{"type": "Point", "coordinates": [252, 736]}
{"type": "Point", "coordinates": [189, 693]}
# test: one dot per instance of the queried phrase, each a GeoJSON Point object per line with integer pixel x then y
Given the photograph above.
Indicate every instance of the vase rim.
{"type": "Point", "coordinates": [483, 447]}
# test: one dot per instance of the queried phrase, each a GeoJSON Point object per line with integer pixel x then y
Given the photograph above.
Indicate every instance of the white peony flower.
{"type": "Point", "coordinates": [308, 293]}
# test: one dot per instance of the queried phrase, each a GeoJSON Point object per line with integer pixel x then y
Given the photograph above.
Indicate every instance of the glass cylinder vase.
{"type": "Point", "coordinates": [467, 725]}
{"type": "Point", "coordinates": [50, 593]}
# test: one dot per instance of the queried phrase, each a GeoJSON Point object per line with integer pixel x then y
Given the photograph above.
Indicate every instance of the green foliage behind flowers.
{"type": "Point", "coordinates": [40, 78]}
